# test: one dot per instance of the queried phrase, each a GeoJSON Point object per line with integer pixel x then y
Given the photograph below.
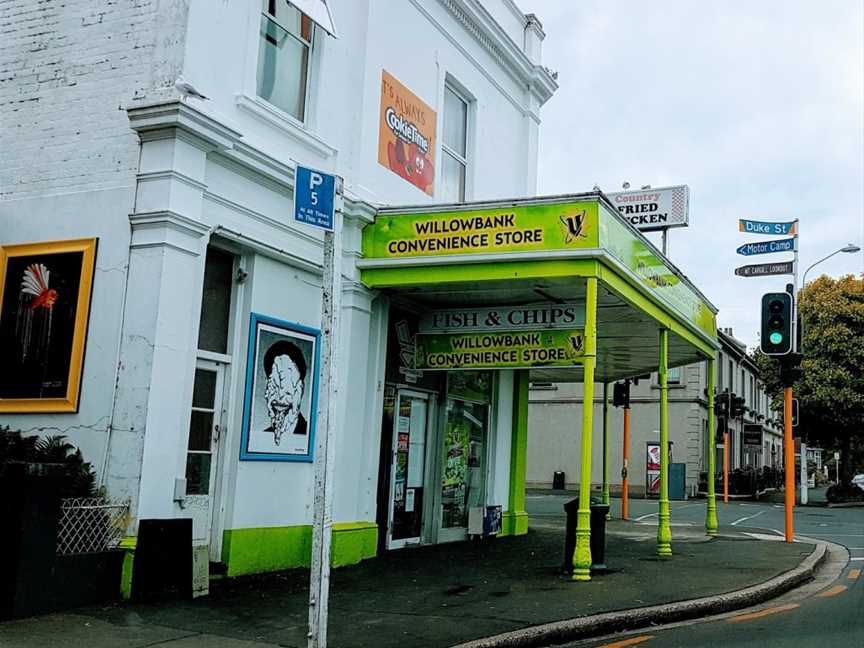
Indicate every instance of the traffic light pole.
{"type": "Point", "coordinates": [625, 486]}
{"type": "Point", "coordinates": [789, 460]}
{"type": "Point", "coordinates": [726, 465]}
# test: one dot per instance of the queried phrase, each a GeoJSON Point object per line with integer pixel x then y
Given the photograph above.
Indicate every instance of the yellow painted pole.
{"type": "Point", "coordinates": [606, 447]}
{"type": "Point", "coordinates": [711, 509]}
{"type": "Point", "coordinates": [664, 530]}
{"type": "Point", "coordinates": [582, 555]}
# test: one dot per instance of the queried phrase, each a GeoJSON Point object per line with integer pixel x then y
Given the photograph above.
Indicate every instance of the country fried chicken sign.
{"type": "Point", "coordinates": [406, 136]}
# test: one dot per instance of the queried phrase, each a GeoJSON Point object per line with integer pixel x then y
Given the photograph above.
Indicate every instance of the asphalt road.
{"type": "Point", "coordinates": [826, 614]}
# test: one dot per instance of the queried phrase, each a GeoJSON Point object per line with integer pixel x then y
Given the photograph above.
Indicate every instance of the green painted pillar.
{"type": "Point", "coordinates": [606, 447]}
{"type": "Point", "coordinates": [516, 519]}
{"type": "Point", "coordinates": [582, 555]}
{"type": "Point", "coordinates": [711, 511]}
{"type": "Point", "coordinates": [664, 530]}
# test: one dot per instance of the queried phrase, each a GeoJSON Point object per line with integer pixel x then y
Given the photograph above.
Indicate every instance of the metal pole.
{"type": "Point", "coordinates": [711, 510]}
{"type": "Point", "coordinates": [322, 523]}
{"type": "Point", "coordinates": [606, 447]}
{"type": "Point", "coordinates": [625, 478]}
{"type": "Point", "coordinates": [726, 464]}
{"type": "Point", "coordinates": [664, 530]}
{"type": "Point", "coordinates": [582, 555]}
{"type": "Point", "coordinates": [665, 241]}
{"type": "Point", "coordinates": [795, 292]}
{"type": "Point", "coordinates": [789, 458]}
{"type": "Point", "coordinates": [804, 494]}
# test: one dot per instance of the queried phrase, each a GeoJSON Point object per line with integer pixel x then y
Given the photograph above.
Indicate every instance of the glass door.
{"type": "Point", "coordinates": [410, 424]}
{"type": "Point", "coordinates": [463, 479]}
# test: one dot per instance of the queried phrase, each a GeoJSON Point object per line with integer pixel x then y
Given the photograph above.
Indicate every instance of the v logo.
{"type": "Point", "coordinates": [572, 226]}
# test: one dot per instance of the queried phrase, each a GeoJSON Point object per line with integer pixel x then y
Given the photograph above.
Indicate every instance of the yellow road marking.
{"type": "Point", "coordinates": [834, 591]}
{"type": "Point", "coordinates": [763, 613]}
{"type": "Point", "coordinates": [632, 641]}
{"type": "Point", "coordinates": [854, 574]}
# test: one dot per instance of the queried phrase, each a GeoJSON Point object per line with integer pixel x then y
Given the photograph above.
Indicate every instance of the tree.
{"type": "Point", "coordinates": [831, 390]}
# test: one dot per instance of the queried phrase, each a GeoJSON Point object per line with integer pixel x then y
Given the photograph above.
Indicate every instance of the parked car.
{"type": "Point", "coordinates": [858, 480]}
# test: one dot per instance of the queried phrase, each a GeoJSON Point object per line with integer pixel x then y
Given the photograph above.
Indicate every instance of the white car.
{"type": "Point", "coordinates": [858, 480]}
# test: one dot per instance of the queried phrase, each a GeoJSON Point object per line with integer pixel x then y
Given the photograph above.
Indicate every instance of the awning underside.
{"type": "Point", "coordinates": [628, 338]}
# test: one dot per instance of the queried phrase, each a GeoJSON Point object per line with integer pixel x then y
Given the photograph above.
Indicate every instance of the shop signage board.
{"type": "Point", "coordinates": [314, 198]}
{"type": "Point", "coordinates": [496, 230]}
{"type": "Point", "coordinates": [654, 209]}
{"type": "Point", "coordinates": [767, 247]}
{"type": "Point", "coordinates": [501, 350]}
{"type": "Point", "coordinates": [504, 318]}
{"type": "Point", "coordinates": [406, 134]}
{"type": "Point", "coordinates": [762, 227]}
{"type": "Point", "coordinates": [765, 269]}
{"type": "Point", "coordinates": [752, 435]}
{"type": "Point", "coordinates": [646, 263]}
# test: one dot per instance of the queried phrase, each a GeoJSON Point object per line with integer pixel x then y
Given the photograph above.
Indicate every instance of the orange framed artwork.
{"type": "Point", "coordinates": [44, 309]}
{"type": "Point", "coordinates": [406, 136]}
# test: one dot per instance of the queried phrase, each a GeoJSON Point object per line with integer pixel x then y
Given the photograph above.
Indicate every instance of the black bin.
{"type": "Point", "coordinates": [599, 510]}
{"type": "Point", "coordinates": [558, 480]}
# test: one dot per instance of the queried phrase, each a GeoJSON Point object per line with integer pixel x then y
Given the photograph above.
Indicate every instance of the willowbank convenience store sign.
{"type": "Point", "coordinates": [497, 230]}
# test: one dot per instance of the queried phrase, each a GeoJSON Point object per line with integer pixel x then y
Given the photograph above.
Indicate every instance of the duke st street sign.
{"type": "Point", "coordinates": [761, 227]}
{"type": "Point", "coordinates": [766, 247]}
{"type": "Point", "coordinates": [765, 269]}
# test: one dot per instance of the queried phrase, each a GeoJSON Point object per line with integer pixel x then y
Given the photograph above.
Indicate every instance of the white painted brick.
{"type": "Point", "coordinates": [68, 70]}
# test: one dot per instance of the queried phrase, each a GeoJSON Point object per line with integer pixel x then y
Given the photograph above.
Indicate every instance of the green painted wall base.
{"type": "Point", "coordinates": [254, 551]}
{"type": "Point", "coordinates": [128, 544]}
{"type": "Point", "coordinates": [514, 523]}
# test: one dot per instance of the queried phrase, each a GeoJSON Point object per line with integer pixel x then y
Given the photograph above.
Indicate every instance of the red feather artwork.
{"type": "Point", "coordinates": [37, 300]}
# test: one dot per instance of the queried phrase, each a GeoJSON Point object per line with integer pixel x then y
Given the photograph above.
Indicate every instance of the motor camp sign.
{"type": "Point", "coordinates": [406, 134]}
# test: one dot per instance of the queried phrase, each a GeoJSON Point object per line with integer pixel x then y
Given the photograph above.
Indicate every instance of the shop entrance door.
{"type": "Point", "coordinates": [408, 468]}
{"type": "Point", "coordinates": [466, 425]}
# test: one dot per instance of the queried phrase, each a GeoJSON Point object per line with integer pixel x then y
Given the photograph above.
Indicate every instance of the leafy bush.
{"type": "Point", "coordinates": [76, 476]}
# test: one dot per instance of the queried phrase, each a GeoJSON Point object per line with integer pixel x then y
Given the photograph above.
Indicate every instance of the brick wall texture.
{"type": "Point", "coordinates": [68, 71]}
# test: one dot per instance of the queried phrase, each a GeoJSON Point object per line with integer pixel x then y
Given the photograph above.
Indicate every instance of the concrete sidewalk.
{"type": "Point", "coordinates": [430, 596]}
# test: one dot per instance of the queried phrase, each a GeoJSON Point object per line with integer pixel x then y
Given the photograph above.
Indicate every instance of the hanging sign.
{"type": "Point", "coordinates": [504, 318]}
{"type": "Point", "coordinates": [654, 209]}
{"type": "Point", "coordinates": [505, 350]}
{"type": "Point", "coordinates": [767, 247]}
{"type": "Point", "coordinates": [760, 227]}
{"type": "Point", "coordinates": [765, 269]}
{"type": "Point", "coordinates": [406, 134]}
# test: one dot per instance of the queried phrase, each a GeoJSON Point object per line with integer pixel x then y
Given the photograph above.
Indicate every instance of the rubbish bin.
{"type": "Point", "coordinates": [558, 480]}
{"type": "Point", "coordinates": [598, 534]}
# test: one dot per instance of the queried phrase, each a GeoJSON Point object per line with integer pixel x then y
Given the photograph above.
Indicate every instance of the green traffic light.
{"type": "Point", "coordinates": [776, 337]}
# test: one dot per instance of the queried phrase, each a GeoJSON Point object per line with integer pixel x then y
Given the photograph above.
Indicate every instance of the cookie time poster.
{"type": "Point", "coordinates": [406, 136]}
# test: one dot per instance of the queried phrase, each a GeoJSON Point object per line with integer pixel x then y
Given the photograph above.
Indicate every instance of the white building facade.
{"type": "Point", "coordinates": [191, 206]}
{"type": "Point", "coordinates": [554, 443]}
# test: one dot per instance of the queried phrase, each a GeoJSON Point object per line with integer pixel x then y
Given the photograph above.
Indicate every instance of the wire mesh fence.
{"type": "Point", "coordinates": [91, 524]}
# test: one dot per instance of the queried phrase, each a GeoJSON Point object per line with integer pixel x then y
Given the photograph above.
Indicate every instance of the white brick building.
{"type": "Point", "coordinates": [191, 206]}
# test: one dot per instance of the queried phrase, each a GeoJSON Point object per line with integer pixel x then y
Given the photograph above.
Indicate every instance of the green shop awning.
{"type": "Point", "coordinates": [542, 250]}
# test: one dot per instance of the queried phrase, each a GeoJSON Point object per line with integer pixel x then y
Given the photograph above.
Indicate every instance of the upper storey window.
{"type": "Point", "coordinates": [454, 146]}
{"type": "Point", "coordinates": [283, 57]}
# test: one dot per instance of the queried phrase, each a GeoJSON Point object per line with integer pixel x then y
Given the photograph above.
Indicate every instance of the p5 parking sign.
{"type": "Point", "coordinates": [314, 198]}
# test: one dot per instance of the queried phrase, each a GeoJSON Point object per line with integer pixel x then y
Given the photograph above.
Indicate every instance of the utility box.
{"type": "Point", "coordinates": [678, 481]}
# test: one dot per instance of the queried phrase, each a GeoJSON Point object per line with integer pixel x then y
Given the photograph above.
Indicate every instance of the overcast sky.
{"type": "Point", "coordinates": [757, 106]}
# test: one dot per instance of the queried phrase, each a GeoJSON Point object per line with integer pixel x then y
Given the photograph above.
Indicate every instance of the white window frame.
{"type": "Point", "coordinates": [457, 89]}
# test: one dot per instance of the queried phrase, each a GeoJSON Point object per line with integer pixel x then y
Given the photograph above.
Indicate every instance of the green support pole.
{"type": "Point", "coordinates": [582, 555]}
{"type": "Point", "coordinates": [664, 531]}
{"type": "Point", "coordinates": [515, 520]}
{"type": "Point", "coordinates": [606, 447]}
{"type": "Point", "coordinates": [711, 511]}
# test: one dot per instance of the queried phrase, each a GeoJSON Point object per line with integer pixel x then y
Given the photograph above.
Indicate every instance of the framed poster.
{"type": "Point", "coordinates": [281, 396]}
{"type": "Point", "coordinates": [44, 310]}
{"type": "Point", "coordinates": [406, 134]}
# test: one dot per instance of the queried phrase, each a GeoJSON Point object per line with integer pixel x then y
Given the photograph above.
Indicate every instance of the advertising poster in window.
{"type": "Point", "coordinates": [652, 467]}
{"type": "Point", "coordinates": [406, 136]}
{"type": "Point", "coordinates": [44, 307]}
{"type": "Point", "coordinates": [281, 391]}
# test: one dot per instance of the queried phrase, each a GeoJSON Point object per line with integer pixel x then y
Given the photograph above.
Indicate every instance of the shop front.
{"type": "Point", "coordinates": [483, 298]}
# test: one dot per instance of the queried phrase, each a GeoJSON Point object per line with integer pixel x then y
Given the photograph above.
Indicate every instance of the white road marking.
{"type": "Point", "coordinates": [862, 558]}
{"type": "Point", "coordinates": [749, 517]}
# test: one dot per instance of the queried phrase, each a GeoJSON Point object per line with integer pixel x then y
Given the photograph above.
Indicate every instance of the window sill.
{"type": "Point", "coordinates": [284, 123]}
